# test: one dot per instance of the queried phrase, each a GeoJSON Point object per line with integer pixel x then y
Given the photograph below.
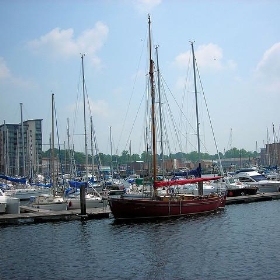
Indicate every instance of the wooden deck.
{"type": "Point", "coordinates": [252, 198]}
{"type": "Point", "coordinates": [31, 215]}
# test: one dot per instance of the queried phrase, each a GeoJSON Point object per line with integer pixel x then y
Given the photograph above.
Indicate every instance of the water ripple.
{"type": "Point", "coordinates": [240, 242]}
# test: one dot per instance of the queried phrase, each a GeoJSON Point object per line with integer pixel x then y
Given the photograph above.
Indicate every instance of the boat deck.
{"type": "Point", "coordinates": [29, 215]}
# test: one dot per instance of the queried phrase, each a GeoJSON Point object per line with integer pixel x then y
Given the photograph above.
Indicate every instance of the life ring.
{"type": "Point", "coordinates": [170, 191]}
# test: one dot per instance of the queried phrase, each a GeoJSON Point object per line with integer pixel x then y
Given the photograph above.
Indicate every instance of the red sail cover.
{"type": "Point", "coordinates": [158, 184]}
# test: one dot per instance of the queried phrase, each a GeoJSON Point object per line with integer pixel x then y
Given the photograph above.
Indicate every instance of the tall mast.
{"type": "Point", "coordinates": [151, 73]}
{"type": "Point", "coordinates": [82, 188]}
{"type": "Point", "coordinates": [52, 149]}
{"type": "Point", "coordinates": [22, 142]}
{"type": "Point", "coordinates": [111, 151]}
{"type": "Point", "coordinates": [91, 142]}
{"type": "Point", "coordinates": [200, 184]}
{"type": "Point", "coordinates": [17, 161]}
{"type": "Point", "coordinates": [160, 115]}
{"type": "Point", "coordinates": [196, 105]}
{"type": "Point", "coordinates": [85, 126]}
{"type": "Point", "coordinates": [6, 152]}
{"type": "Point", "coordinates": [68, 148]}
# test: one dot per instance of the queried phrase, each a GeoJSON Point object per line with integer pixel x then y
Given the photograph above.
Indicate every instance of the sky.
{"type": "Point", "coordinates": [237, 50]}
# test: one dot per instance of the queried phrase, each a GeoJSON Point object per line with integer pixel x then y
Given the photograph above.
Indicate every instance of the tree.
{"type": "Point", "coordinates": [125, 157]}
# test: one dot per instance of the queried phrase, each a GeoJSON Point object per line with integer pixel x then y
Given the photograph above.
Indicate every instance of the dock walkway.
{"type": "Point", "coordinates": [30, 215]}
{"type": "Point", "coordinates": [252, 198]}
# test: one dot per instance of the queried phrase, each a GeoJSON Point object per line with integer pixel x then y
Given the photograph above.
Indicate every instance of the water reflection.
{"type": "Point", "coordinates": [240, 242]}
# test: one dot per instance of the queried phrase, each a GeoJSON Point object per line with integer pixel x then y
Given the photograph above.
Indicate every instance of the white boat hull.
{"type": "Point", "coordinates": [268, 186]}
{"type": "Point", "coordinates": [56, 206]}
{"type": "Point", "coordinates": [49, 202]}
{"type": "Point", "coordinates": [12, 204]}
{"type": "Point", "coordinates": [25, 194]}
{"type": "Point", "coordinates": [3, 206]}
{"type": "Point", "coordinates": [75, 203]}
{"type": "Point", "coordinates": [254, 178]}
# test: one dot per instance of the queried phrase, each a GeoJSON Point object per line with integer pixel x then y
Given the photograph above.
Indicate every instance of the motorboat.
{"type": "Point", "coordinates": [234, 187]}
{"type": "Point", "coordinates": [252, 177]}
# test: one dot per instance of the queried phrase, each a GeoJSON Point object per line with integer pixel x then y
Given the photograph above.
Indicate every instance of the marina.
{"type": "Point", "coordinates": [30, 215]}
{"type": "Point", "coordinates": [140, 140]}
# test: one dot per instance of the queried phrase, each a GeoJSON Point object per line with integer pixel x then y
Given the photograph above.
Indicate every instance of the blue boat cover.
{"type": "Point", "coordinates": [17, 180]}
{"type": "Point", "coordinates": [76, 184]}
{"type": "Point", "coordinates": [194, 172]}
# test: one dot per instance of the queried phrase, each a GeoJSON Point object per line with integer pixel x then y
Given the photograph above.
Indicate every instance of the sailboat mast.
{"type": "Point", "coordinates": [151, 73]}
{"type": "Point", "coordinates": [82, 189]}
{"type": "Point", "coordinates": [160, 115]}
{"type": "Point", "coordinates": [22, 142]}
{"type": "Point", "coordinates": [52, 148]}
{"type": "Point", "coordinates": [7, 163]}
{"type": "Point", "coordinates": [200, 184]}
{"type": "Point", "coordinates": [85, 126]}
{"type": "Point", "coordinates": [196, 105]}
{"type": "Point", "coordinates": [68, 147]}
{"type": "Point", "coordinates": [17, 161]}
{"type": "Point", "coordinates": [111, 151]}
{"type": "Point", "coordinates": [91, 142]}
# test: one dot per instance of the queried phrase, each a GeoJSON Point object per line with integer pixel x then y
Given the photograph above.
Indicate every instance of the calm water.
{"type": "Point", "coordinates": [241, 242]}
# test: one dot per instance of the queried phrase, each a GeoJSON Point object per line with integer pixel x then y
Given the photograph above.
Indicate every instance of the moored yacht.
{"type": "Point", "coordinates": [234, 187]}
{"type": "Point", "coordinates": [251, 176]}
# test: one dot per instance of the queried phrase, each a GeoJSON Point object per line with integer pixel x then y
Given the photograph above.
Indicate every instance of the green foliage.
{"type": "Point", "coordinates": [125, 157]}
{"type": "Point", "coordinates": [235, 153]}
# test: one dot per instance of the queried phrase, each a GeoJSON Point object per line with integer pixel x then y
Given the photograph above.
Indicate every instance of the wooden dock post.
{"type": "Point", "coordinates": [83, 199]}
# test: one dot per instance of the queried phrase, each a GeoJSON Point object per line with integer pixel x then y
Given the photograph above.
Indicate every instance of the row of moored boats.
{"type": "Point", "coordinates": [243, 182]}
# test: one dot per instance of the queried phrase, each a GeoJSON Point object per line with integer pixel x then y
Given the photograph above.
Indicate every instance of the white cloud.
{"type": "Point", "coordinates": [207, 56]}
{"type": "Point", "coordinates": [98, 107]}
{"type": "Point", "coordinates": [61, 43]}
{"type": "Point", "coordinates": [270, 60]}
{"type": "Point", "coordinates": [7, 77]}
{"type": "Point", "coordinates": [231, 64]}
{"type": "Point", "coordinates": [4, 70]}
{"type": "Point", "coordinates": [145, 6]}
{"type": "Point", "coordinates": [209, 59]}
{"type": "Point", "coordinates": [268, 69]}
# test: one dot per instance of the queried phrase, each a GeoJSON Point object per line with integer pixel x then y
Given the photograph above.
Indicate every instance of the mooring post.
{"type": "Point", "coordinates": [83, 199]}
